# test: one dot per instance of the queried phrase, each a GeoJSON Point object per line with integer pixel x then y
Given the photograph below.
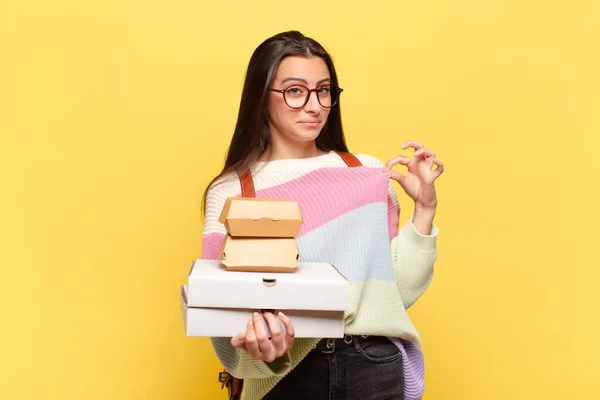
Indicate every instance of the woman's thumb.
{"type": "Point", "coordinates": [239, 340]}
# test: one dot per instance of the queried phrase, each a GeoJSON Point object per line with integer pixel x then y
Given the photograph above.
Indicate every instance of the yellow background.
{"type": "Point", "coordinates": [114, 115]}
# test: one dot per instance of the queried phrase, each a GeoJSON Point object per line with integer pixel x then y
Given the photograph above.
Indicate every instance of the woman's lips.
{"type": "Point", "coordinates": [310, 124]}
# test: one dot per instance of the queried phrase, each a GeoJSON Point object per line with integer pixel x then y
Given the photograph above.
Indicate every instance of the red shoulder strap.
{"type": "Point", "coordinates": [247, 184]}
{"type": "Point", "coordinates": [350, 159]}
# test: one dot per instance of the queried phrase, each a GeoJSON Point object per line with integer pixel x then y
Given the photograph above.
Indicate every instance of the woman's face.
{"type": "Point", "coordinates": [303, 124]}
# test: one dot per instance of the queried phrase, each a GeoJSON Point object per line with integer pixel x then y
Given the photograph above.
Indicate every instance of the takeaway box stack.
{"type": "Point", "coordinates": [258, 270]}
{"type": "Point", "coordinates": [261, 235]}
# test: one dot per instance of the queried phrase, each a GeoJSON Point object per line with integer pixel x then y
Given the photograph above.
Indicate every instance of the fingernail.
{"type": "Point", "coordinates": [282, 314]}
{"type": "Point", "coordinates": [241, 337]}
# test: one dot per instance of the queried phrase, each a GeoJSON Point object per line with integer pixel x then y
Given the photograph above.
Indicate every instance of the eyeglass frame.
{"type": "Point", "coordinates": [310, 91]}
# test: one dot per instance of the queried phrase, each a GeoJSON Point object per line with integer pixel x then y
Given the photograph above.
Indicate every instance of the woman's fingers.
{"type": "Point", "coordinates": [290, 332]}
{"type": "Point", "coordinates": [252, 341]}
{"type": "Point", "coordinates": [399, 177]}
{"type": "Point", "coordinates": [276, 335]}
{"type": "Point", "coordinates": [264, 343]}
{"type": "Point", "coordinates": [424, 152]}
{"type": "Point", "coordinates": [395, 161]}
{"type": "Point", "coordinates": [411, 143]}
{"type": "Point", "coordinates": [256, 340]}
{"type": "Point", "coordinates": [239, 341]}
{"type": "Point", "coordinates": [439, 168]}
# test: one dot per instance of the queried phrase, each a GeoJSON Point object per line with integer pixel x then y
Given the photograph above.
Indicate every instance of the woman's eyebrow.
{"type": "Point", "coordinates": [291, 78]}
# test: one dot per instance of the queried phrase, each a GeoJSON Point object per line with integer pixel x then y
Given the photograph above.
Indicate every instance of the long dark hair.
{"type": "Point", "coordinates": [251, 137]}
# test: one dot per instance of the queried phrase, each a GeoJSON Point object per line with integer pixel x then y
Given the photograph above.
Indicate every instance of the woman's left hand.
{"type": "Point", "coordinates": [418, 183]}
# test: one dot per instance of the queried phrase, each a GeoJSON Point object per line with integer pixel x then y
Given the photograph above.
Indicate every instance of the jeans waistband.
{"type": "Point", "coordinates": [331, 345]}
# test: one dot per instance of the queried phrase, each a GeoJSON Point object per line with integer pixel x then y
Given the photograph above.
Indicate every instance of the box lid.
{"type": "Point", "coordinates": [259, 254]}
{"type": "Point", "coordinates": [312, 286]}
{"type": "Point", "coordinates": [257, 217]}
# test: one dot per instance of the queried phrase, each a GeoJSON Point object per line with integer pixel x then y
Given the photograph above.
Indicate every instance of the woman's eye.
{"type": "Point", "coordinates": [295, 91]}
{"type": "Point", "coordinates": [324, 90]}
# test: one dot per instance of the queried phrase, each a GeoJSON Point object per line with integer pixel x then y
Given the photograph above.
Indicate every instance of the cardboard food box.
{"type": "Point", "coordinates": [258, 217]}
{"type": "Point", "coordinates": [260, 234]}
{"type": "Point", "coordinates": [218, 303]}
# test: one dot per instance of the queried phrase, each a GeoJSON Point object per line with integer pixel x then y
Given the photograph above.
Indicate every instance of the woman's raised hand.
{"type": "Point", "coordinates": [418, 183]}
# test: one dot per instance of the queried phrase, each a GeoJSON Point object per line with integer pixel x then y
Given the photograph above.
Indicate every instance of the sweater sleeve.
{"type": "Point", "coordinates": [236, 361]}
{"type": "Point", "coordinates": [414, 256]}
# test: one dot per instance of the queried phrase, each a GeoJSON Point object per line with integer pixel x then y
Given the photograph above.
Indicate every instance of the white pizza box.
{"type": "Point", "coordinates": [218, 303]}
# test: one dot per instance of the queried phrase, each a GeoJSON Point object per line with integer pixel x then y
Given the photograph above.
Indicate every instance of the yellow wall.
{"type": "Point", "coordinates": [115, 114]}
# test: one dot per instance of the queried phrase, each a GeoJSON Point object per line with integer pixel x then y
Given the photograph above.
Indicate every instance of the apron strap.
{"type": "Point", "coordinates": [349, 159]}
{"type": "Point", "coordinates": [247, 184]}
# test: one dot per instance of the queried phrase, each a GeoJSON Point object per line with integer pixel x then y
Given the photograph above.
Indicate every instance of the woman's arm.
{"type": "Point", "coordinates": [414, 252]}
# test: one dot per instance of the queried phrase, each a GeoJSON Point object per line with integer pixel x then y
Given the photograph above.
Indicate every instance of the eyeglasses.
{"type": "Point", "coordinates": [297, 96]}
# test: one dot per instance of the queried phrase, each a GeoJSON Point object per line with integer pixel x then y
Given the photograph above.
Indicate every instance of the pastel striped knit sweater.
{"type": "Point", "coordinates": [350, 220]}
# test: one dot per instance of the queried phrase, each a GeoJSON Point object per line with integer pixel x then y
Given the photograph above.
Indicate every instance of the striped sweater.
{"type": "Point", "coordinates": [350, 220]}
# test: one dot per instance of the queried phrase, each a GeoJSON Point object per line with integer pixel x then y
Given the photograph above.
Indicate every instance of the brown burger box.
{"type": "Point", "coordinates": [261, 234]}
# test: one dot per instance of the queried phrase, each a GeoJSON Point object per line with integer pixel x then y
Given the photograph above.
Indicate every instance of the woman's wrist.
{"type": "Point", "coordinates": [423, 219]}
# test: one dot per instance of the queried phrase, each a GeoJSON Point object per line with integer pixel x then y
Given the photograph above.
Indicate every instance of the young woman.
{"type": "Point", "coordinates": [289, 138]}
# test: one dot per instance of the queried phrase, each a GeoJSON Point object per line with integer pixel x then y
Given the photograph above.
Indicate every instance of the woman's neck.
{"type": "Point", "coordinates": [284, 151]}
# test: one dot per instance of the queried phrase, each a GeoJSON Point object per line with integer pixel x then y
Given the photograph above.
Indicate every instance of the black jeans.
{"type": "Point", "coordinates": [358, 369]}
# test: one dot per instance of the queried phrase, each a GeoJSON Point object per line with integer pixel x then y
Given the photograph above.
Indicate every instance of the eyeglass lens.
{"type": "Point", "coordinates": [296, 96]}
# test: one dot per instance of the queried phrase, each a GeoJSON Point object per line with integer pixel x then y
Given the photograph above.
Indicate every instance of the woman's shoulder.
{"type": "Point", "coordinates": [227, 185]}
{"type": "Point", "coordinates": [369, 161]}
